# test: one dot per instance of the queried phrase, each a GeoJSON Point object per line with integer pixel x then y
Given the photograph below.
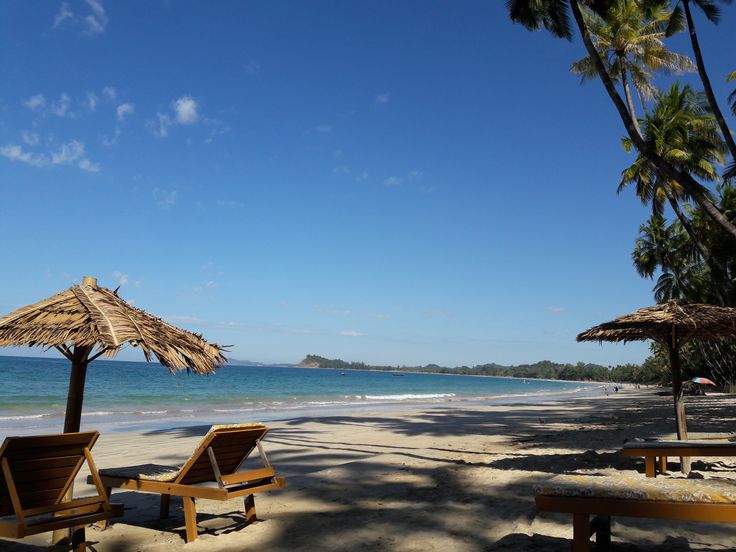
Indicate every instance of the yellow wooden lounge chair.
{"type": "Point", "coordinates": [215, 461]}
{"type": "Point", "coordinates": [37, 472]}
{"type": "Point", "coordinates": [655, 453]}
{"type": "Point", "coordinates": [583, 496]}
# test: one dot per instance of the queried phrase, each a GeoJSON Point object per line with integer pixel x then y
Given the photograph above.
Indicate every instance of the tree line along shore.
{"type": "Point", "coordinates": [650, 371]}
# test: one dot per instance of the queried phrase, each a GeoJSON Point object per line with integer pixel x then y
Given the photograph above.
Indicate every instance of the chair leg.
{"type": "Point", "coordinates": [601, 526]}
{"type": "Point", "coordinates": [662, 464]}
{"type": "Point", "coordinates": [250, 509]}
{"type": "Point", "coordinates": [190, 518]}
{"type": "Point", "coordinates": [103, 523]}
{"type": "Point", "coordinates": [649, 466]}
{"type": "Point", "coordinates": [580, 533]}
{"type": "Point", "coordinates": [163, 511]}
{"type": "Point", "coordinates": [79, 540]}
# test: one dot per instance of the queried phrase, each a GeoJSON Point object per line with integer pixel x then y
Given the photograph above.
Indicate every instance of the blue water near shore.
{"type": "Point", "coordinates": [134, 395]}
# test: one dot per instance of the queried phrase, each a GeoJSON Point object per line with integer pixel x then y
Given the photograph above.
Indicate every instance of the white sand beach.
{"type": "Point", "coordinates": [451, 478]}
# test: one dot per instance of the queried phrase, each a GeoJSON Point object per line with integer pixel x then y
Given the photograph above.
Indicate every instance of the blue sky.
{"type": "Point", "coordinates": [391, 182]}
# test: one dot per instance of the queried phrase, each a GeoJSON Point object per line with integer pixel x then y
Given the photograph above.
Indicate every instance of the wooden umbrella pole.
{"type": "Point", "coordinates": [75, 398]}
{"type": "Point", "coordinates": [679, 399]}
{"type": "Point", "coordinates": [73, 419]}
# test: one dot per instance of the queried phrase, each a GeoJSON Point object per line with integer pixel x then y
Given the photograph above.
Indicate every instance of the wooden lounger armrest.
{"type": "Point", "coordinates": [54, 508]}
{"type": "Point", "coordinates": [251, 475]}
{"type": "Point", "coordinates": [253, 488]}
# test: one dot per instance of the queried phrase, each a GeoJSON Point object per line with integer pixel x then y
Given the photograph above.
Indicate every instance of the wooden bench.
{"type": "Point", "coordinates": [655, 453]}
{"type": "Point", "coordinates": [605, 496]}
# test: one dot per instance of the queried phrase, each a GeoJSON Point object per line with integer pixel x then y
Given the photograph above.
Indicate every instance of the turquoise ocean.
{"type": "Point", "coordinates": [133, 396]}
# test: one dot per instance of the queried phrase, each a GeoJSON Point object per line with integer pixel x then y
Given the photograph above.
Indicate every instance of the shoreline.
{"type": "Point", "coordinates": [148, 418]}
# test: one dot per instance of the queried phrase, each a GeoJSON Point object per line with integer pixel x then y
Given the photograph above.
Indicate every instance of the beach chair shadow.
{"type": "Point", "coordinates": [211, 472]}
{"type": "Point", "coordinates": [37, 475]}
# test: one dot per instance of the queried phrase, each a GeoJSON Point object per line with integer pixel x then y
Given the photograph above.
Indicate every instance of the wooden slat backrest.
{"type": "Point", "coordinates": [42, 467]}
{"type": "Point", "coordinates": [231, 446]}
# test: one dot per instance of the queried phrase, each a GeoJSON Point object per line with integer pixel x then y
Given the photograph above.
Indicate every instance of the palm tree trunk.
{"type": "Point", "coordinates": [685, 180]}
{"type": "Point", "coordinates": [629, 99]}
{"type": "Point", "coordinates": [679, 399]}
{"type": "Point", "coordinates": [706, 82]}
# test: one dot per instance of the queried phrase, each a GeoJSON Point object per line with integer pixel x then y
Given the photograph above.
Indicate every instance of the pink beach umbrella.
{"type": "Point", "coordinates": [703, 381]}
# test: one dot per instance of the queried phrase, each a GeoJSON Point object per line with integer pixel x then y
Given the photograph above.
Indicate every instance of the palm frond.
{"type": "Point", "coordinates": [676, 23]}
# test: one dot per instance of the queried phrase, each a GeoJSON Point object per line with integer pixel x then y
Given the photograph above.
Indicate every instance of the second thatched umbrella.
{"type": "Point", "coordinates": [671, 324]}
{"type": "Point", "coordinates": [85, 322]}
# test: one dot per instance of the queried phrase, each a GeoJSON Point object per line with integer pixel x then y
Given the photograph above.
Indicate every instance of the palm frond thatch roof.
{"type": "Point", "coordinates": [676, 320]}
{"type": "Point", "coordinates": [90, 316]}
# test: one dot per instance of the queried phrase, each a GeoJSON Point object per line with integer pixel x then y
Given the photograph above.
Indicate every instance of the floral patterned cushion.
{"type": "Point", "coordinates": [722, 491]}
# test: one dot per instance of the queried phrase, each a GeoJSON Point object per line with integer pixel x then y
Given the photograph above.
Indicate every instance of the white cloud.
{"type": "Point", "coordinates": [30, 138]}
{"type": "Point", "coordinates": [124, 110]}
{"type": "Point", "coordinates": [350, 333]}
{"type": "Point", "coordinates": [332, 311]}
{"type": "Point", "coordinates": [71, 153]}
{"type": "Point", "coordinates": [228, 203]}
{"type": "Point", "coordinates": [160, 127]}
{"type": "Point", "coordinates": [555, 309]}
{"type": "Point", "coordinates": [186, 110]}
{"type": "Point", "coordinates": [97, 20]}
{"type": "Point", "coordinates": [16, 153]}
{"type": "Point", "coordinates": [120, 278]}
{"type": "Point", "coordinates": [439, 314]}
{"type": "Point", "coordinates": [61, 107]}
{"type": "Point", "coordinates": [395, 181]}
{"type": "Point", "coordinates": [92, 23]}
{"type": "Point", "coordinates": [324, 129]}
{"type": "Point", "coordinates": [362, 177]}
{"type": "Point", "coordinates": [35, 102]}
{"type": "Point", "coordinates": [91, 101]}
{"type": "Point", "coordinates": [110, 93]}
{"type": "Point", "coordinates": [184, 319]}
{"type": "Point", "coordinates": [88, 166]}
{"type": "Point", "coordinates": [252, 68]}
{"type": "Point", "coordinates": [68, 153]}
{"type": "Point", "coordinates": [63, 14]}
{"type": "Point", "coordinates": [112, 140]}
{"type": "Point", "coordinates": [165, 198]}
{"type": "Point", "coordinates": [383, 98]}
{"type": "Point", "coordinates": [341, 169]}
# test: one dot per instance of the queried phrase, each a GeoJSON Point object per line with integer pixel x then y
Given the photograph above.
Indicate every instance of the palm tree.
{"type": "Point", "coordinates": [682, 132]}
{"type": "Point", "coordinates": [553, 16]}
{"type": "Point", "coordinates": [629, 40]}
{"type": "Point", "coordinates": [713, 13]}
{"type": "Point", "coordinates": [730, 171]}
{"type": "Point", "coordinates": [666, 248]}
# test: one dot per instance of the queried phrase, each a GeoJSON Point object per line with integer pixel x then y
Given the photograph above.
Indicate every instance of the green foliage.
{"type": "Point", "coordinates": [646, 373]}
{"type": "Point", "coordinates": [630, 42]}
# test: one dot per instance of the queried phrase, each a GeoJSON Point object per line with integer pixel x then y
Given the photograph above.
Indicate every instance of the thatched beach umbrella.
{"type": "Point", "coordinates": [86, 322]}
{"type": "Point", "coordinates": [672, 324]}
